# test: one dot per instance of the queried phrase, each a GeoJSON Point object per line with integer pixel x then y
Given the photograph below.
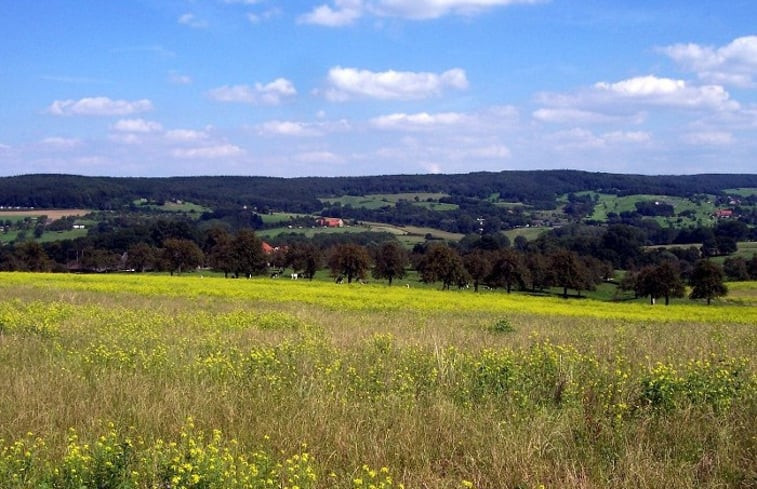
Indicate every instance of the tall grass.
{"type": "Point", "coordinates": [426, 390]}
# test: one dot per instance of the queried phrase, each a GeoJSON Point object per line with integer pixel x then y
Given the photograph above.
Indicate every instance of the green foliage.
{"type": "Point", "coordinates": [503, 326]}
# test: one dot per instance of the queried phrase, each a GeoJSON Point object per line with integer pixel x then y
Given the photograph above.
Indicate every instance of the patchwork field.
{"type": "Point", "coordinates": [155, 382]}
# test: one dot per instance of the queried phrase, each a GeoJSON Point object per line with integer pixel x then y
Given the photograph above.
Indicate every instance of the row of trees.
{"type": "Point", "coordinates": [664, 280]}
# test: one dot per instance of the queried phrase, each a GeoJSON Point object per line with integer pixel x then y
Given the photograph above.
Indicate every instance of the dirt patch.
{"type": "Point", "coordinates": [50, 213]}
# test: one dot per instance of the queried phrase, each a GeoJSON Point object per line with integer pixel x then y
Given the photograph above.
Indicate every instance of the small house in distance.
{"type": "Point", "coordinates": [329, 222]}
{"type": "Point", "coordinates": [723, 213]}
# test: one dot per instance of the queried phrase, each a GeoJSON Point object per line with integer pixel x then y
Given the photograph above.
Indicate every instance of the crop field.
{"type": "Point", "coordinates": [50, 213]}
{"type": "Point", "coordinates": [130, 381]}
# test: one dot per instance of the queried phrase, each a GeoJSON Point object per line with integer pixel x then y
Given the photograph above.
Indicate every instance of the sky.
{"type": "Point", "coordinates": [373, 87]}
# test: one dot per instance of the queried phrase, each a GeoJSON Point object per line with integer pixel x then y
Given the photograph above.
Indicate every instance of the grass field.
{"type": "Point", "coordinates": [613, 203]}
{"type": "Point", "coordinates": [377, 201]}
{"type": "Point", "coordinates": [153, 382]}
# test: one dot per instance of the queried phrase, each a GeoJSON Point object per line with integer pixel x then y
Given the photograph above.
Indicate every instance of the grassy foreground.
{"type": "Point", "coordinates": [167, 382]}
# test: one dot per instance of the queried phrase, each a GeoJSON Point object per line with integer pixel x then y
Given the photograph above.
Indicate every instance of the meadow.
{"type": "Point", "coordinates": [136, 381]}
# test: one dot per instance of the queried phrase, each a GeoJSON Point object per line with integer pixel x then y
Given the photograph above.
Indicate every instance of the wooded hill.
{"type": "Point", "coordinates": [537, 188]}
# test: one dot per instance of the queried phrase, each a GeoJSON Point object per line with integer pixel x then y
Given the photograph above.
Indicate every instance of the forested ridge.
{"type": "Point", "coordinates": [301, 194]}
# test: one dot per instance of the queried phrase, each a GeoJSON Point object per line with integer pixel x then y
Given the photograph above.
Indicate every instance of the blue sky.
{"type": "Point", "coordinates": [368, 87]}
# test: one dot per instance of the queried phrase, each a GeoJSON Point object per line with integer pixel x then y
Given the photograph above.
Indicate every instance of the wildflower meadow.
{"type": "Point", "coordinates": [125, 381]}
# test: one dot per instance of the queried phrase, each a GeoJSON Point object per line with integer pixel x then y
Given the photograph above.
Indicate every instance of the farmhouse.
{"type": "Point", "coordinates": [723, 213]}
{"type": "Point", "coordinates": [329, 222]}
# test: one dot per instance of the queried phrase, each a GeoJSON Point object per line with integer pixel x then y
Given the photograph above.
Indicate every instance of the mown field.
{"type": "Point", "coordinates": [165, 382]}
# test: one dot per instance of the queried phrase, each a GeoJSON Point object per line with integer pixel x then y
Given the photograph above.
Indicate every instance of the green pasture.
{"type": "Point", "coordinates": [613, 203]}
{"type": "Point", "coordinates": [377, 201]}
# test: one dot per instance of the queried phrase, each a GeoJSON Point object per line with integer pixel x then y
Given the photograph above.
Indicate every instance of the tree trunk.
{"type": "Point", "coordinates": [565, 292]}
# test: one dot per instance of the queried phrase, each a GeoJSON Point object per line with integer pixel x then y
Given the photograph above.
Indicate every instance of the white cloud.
{"type": "Point", "coordinates": [709, 138]}
{"type": "Point", "coordinates": [629, 100]}
{"type": "Point", "coordinates": [666, 91]}
{"type": "Point", "coordinates": [191, 20]}
{"type": "Point", "coordinates": [259, 94]}
{"type": "Point", "coordinates": [137, 125]}
{"type": "Point", "coordinates": [4, 147]}
{"type": "Point", "coordinates": [732, 64]}
{"type": "Point", "coordinates": [61, 143]}
{"type": "Point", "coordinates": [179, 79]}
{"type": "Point", "coordinates": [125, 138]}
{"type": "Point", "coordinates": [627, 137]}
{"type": "Point", "coordinates": [431, 9]}
{"type": "Point", "coordinates": [418, 121]}
{"type": "Point", "coordinates": [346, 83]}
{"type": "Point", "coordinates": [345, 12]}
{"type": "Point", "coordinates": [101, 106]}
{"type": "Point", "coordinates": [208, 152]}
{"type": "Point", "coordinates": [574, 115]}
{"type": "Point", "coordinates": [318, 157]}
{"type": "Point", "coordinates": [185, 135]}
{"type": "Point", "coordinates": [287, 128]}
{"type": "Point", "coordinates": [580, 138]}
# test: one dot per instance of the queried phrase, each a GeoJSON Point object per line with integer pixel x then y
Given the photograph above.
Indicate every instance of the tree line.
{"type": "Point", "coordinates": [482, 261]}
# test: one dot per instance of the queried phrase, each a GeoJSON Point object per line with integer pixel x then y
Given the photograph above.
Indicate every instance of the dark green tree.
{"type": "Point", "coordinates": [707, 281]}
{"type": "Point", "coordinates": [508, 270]}
{"type": "Point", "coordinates": [305, 258]}
{"type": "Point", "coordinates": [349, 260]}
{"type": "Point", "coordinates": [140, 257]}
{"type": "Point", "coordinates": [31, 257]}
{"type": "Point", "coordinates": [181, 254]}
{"type": "Point", "coordinates": [478, 263]}
{"type": "Point", "coordinates": [390, 261]}
{"type": "Point", "coordinates": [568, 271]}
{"type": "Point", "coordinates": [248, 258]}
{"type": "Point", "coordinates": [441, 263]}
{"type": "Point", "coordinates": [663, 280]}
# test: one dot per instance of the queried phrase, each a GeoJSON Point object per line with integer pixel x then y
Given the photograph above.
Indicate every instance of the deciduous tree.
{"type": "Point", "coordinates": [349, 260]}
{"type": "Point", "coordinates": [390, 261]}
{"type": "Point", "coordinates": [707, 281]}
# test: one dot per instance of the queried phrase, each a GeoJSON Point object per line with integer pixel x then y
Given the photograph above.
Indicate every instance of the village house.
{"type": "Point", "coordinates": [329, 222]}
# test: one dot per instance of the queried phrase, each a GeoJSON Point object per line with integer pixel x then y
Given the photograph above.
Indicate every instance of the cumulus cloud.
{"type": "Point", "coordinates": [185, 135]}
{"type": "Point", "coordinates": [137, 125]}
{"type": "Point", "coordinates": [666, 91]}
{"type": "Point", "coordinates": [259, 94]}
{"type": "Point", "coordinates": [191, 20]}
{"type": "Point", "coordinates": [580, 138]}
{"type": "Point", "coordinates": [732, 64]}
{"type": "Point", "coordinates": [629, 100]}
{"type": "Point", "coordinates": [345, 12]}
{"type": "Point", "coordinates": [419, 121]}
{"type": "Point", "coordinates": [708, 138]}
{"type": "Point", "coordinates": [60, 142]}
{"type": "Point", "coordinates": [99, 106]}
{"type": "Point", "coordinates": [287, 128]}
{"type": "Point", "coordinates": [318, 157]}
{"type": "Point", "coordinates": [179, 79]}
{"type": "Point", "coordinates": [575, 115]}
{"type": "Point", "coordinates": [208, 152]}
{"type": "Point", "coordinates": [347, 83]}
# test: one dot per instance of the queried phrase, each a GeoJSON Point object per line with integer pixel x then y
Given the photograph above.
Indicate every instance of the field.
{"type": "Point", "coordinates": [612, 203]}
{"type": "Point", "coordinates": [50, 213]}
{"type": "Point", "coordinates": [136, 381]}
{"type": "Point", "coordinates": [377, 201]}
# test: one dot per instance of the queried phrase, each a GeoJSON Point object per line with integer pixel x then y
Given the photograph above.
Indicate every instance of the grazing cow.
{"type": "Point", "coordinates": [339, 279]}
{"type": "Point", "coordinates": [294, 276]}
